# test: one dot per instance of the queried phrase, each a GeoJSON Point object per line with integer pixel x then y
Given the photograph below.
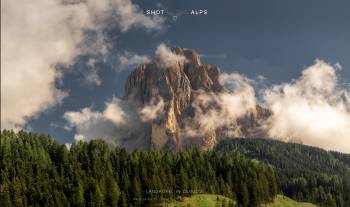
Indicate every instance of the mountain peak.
{"type": "Point", "coordinates": [178, 85]}
{"type": "Point", "coordinates": [191, 56]}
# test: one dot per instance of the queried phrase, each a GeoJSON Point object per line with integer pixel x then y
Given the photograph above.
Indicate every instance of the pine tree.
{"type": "Point", "coordinates": [124, 200]}
{"type": "Point", "coordinates": [137, 193]}
{"type": "Point", "coordinates": [112, 192]}
{"type": "Point", "coordinates": [243, 197]}
{"type": "Point", "coordinates": [77, 196]}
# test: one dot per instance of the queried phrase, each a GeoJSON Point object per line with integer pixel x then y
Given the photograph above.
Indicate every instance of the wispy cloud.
{"type": "Point", "coordinates": [131, 60]}
{"type": "Point", "coordinates": [167, 58]}
{"type": "Point", "coordinates": [216, 110]}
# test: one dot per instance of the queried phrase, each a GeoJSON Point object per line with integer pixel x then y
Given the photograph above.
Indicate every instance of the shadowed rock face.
{"type": "Point", "coordinates": [177, 86]}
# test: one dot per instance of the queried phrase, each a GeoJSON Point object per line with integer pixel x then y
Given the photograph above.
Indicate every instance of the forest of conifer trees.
{"type": "Point", "coordinates": [36, 170]}
{"type": "Point", "coordinates": [303, 173]}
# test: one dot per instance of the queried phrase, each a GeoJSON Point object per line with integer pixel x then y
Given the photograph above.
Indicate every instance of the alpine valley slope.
{"type": "Point", "coordinates": [181, 87]}
{"type": "Point", "coordinates": [303, 173]}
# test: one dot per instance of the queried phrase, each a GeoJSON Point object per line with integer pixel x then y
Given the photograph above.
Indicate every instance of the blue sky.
{"type": "Point", "coordinates": [273, 38]}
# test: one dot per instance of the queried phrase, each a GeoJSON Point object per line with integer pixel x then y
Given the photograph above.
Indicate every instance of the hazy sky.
{"type": "Point", "coordinates": [276, 39]}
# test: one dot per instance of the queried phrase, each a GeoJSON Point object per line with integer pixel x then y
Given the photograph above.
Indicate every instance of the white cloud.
{"type": "Point", "coordinates": [313, 109]}
{"type": "Point", "coordinates": [163, 56]}
{"type": "Point", "coordinates": [152, 111]}
{"type": "Point", "coordinates": [130, 15]}
{"type": "Point", "coordinates": [111, 124]}
{"type": "Point", "coordinates": [115, 113]}
{"type": "Point", "coordinates": [90, 73]}
{"type": "Point", "coordinates": [167, 58]}
{"type": "Point", "coordinates": [213, 111]}
{"type": "Point", "coordinates": [114, 123]}
{"type": "Point", "coordinates": [36, 35]}
{"type": "Point", "coordinates": [130, 60]}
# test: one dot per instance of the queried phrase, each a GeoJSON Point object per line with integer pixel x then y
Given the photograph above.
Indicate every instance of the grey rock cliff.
{"type": "Point", "coordinates": [177, 86]}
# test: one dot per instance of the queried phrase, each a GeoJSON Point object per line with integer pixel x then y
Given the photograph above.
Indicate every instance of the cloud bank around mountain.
{"type": "Point", "coordinates": [313, 109]}
{"type": "Point", "coordinates": [162, 55]}
{"type": "Point", "coordinates": [117, 120]}
{"type": "Point", "coordinates": [217, 110]}
{"type": "Point", "coordinates": [112, 124]}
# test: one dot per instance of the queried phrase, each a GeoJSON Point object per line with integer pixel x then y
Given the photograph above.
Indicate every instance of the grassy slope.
{"type": "Point", "coordinates": [200, 200]}
{"type": "Point", "coordinates": [210, 200]}
{"type": "Point", "coordinates": [283, 201]}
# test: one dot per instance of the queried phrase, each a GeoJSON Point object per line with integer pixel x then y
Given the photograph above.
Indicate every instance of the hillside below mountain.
{"type": "Point", "coordinates": [303, 173]}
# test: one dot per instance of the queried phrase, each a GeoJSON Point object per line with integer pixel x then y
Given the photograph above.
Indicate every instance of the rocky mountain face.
{"type": "Point", "coordinates": [177, 86]}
